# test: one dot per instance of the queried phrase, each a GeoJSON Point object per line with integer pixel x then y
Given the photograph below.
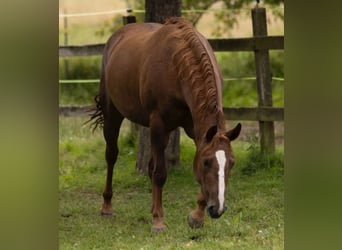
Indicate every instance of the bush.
{"type": "Point", "coordinates": [77, 93]}
{"type": "Point", "coordinates": [243, 93]}
{"type": "Point", "coordinates": [256, 160]}
{"type": "Point", "coordinates": [79, 68]}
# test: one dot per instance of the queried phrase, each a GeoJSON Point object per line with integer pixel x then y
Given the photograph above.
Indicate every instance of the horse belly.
{"type": "Point", "coordinates": [127, 102]}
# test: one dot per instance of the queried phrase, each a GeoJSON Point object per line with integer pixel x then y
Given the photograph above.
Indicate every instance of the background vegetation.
{"type": "Point", "coordinates": [232, 64]}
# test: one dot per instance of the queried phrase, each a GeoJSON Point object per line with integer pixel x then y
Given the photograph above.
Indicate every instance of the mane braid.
{"type": "Point", "coordinates": [194, 67]}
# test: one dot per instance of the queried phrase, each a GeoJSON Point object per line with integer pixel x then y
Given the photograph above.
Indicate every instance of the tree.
{"type": "Point", "coordinates": [229, 16]}
{"type": "Point", "coordinates": [158, 11]}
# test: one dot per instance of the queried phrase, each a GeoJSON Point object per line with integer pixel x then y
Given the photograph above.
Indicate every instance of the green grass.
{"type": "Point", "coordinates": [254, 219]}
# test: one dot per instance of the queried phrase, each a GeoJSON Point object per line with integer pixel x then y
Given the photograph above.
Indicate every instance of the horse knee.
{"type": "Point", "coordinates": [111, 154]}
{"type": "Point", "coordinates": [159, 177]}
{"type": "Point", "coordinates": [150, 168]}
{"type": "Point", "coordinates": [157, 172]}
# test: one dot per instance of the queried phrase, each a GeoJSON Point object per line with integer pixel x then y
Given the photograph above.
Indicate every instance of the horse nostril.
{"type": "Point", "coordinates": [213, 212]}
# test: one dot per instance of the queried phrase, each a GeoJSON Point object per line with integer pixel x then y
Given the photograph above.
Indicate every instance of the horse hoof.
{"type": "Point", "coordinates": [193, 223]}
{"type": "Point", "coordinates": [106, 210]}
{"type": "Point", "coordinates": [106, 214]}
{"type": "Point", "coordinates": [159, 229]}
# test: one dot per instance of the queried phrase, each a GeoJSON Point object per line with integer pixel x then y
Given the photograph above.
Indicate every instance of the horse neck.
{"type": "Point", "coordinates": [202, 93]}
{"type": "Point", "coordinates": [201, 86]}
{"type": "Point", "coordinates": [200, 79]}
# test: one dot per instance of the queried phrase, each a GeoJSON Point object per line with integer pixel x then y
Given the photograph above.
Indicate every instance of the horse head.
{"type": "Point", "coordinates": [213, 161]}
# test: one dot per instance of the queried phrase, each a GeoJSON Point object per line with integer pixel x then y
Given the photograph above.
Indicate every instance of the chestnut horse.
{"type": "Point", "coordinates": [164, 77]}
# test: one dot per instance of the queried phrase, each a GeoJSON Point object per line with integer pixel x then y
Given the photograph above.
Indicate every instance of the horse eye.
{"type": "Point", "coordinates": [206, 163]}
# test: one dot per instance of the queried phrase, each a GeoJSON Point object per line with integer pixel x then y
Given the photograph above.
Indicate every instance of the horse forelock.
{"type": "Point", "coordinates": [194, 66]}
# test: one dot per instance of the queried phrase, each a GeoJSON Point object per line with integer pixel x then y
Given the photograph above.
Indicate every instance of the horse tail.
{"type": "Point", "coordinates": [96, 111]}
{"type": "Point", "coordinates": [96, 117]}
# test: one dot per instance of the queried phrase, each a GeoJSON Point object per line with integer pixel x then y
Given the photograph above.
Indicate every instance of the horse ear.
{"type": "Point", "coordinates": [234, 133]}
{"type": "Point", "coordinates": [211, 133]}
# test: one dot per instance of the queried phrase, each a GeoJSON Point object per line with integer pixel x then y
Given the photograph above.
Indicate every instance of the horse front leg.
{"type": "Point", "coordinates": [196, 217]}
{"type": "Point", "coordinates": [158, 180]}
{"type": "Point", "coordinates": [157, 171]}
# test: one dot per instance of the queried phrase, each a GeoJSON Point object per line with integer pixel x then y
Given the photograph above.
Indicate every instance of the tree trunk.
{"type": "Point", "coordinates": [158, 11]}
{"type": "Point", "coordinates": [144, 150]}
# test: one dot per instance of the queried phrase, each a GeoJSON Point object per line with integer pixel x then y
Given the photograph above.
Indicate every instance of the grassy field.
{"type": "Point", "coordinates": [255, 198]}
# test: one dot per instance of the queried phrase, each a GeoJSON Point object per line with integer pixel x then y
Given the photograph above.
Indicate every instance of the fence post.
{"type": "Point", "coordinates": [129, 19]}
{"type": "Point", "coordinates": [264, 78]}
{"type": "Point", "coordinates": [66, 63]}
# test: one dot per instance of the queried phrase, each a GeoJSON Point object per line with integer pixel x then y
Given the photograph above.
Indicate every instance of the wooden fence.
{"type": "Point", "coordinates": [260, 44]}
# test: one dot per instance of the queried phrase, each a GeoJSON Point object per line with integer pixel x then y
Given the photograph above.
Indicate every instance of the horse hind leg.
{"type": "Point", "coordinates": [111, 128]}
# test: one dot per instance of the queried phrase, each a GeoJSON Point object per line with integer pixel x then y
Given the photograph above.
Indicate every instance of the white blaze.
{"type": "Point", "coordinates": [221, 159]}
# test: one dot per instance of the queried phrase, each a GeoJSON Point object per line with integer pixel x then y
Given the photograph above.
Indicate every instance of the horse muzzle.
{"type": "Point", "coordinates": [214, 212]}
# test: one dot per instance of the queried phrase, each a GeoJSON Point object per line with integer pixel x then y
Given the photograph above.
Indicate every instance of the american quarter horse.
{"type": "Point", "coordinates": [164, 77]}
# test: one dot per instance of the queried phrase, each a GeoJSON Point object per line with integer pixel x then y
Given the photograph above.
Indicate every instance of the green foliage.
{"type": "Point", "coordinates": [257, 160]}
{"type": "Point", "coordinates": [277, 62]}
{"type": "Point", "coordinates": [238, 93]}
{"type": "Point", "coordinates": [230, 17]}
{"type": "Point", "coordinates": [78, 68]}
{"type": "Point", "coordinates": [116, 22]}
{"type": "Point", "coordinates": [77, 93]}
{"type": "Point", "coordinates": [243, 93]}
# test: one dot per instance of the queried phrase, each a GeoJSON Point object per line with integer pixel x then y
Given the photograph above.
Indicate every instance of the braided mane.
{"type": "Point", "coordinates": [194, 67]}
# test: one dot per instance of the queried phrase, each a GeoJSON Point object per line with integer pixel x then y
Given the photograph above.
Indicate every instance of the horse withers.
{"type": "Point", "coordinates": [164, 77]}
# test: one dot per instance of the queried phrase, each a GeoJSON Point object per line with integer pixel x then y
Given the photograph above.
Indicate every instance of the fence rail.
{"type": "Point", "coordinates": [81, 50]}
{"type": "Point", "coordinates": [231, 113]}
{"type": "Point", "coordinates": [232, 44]}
